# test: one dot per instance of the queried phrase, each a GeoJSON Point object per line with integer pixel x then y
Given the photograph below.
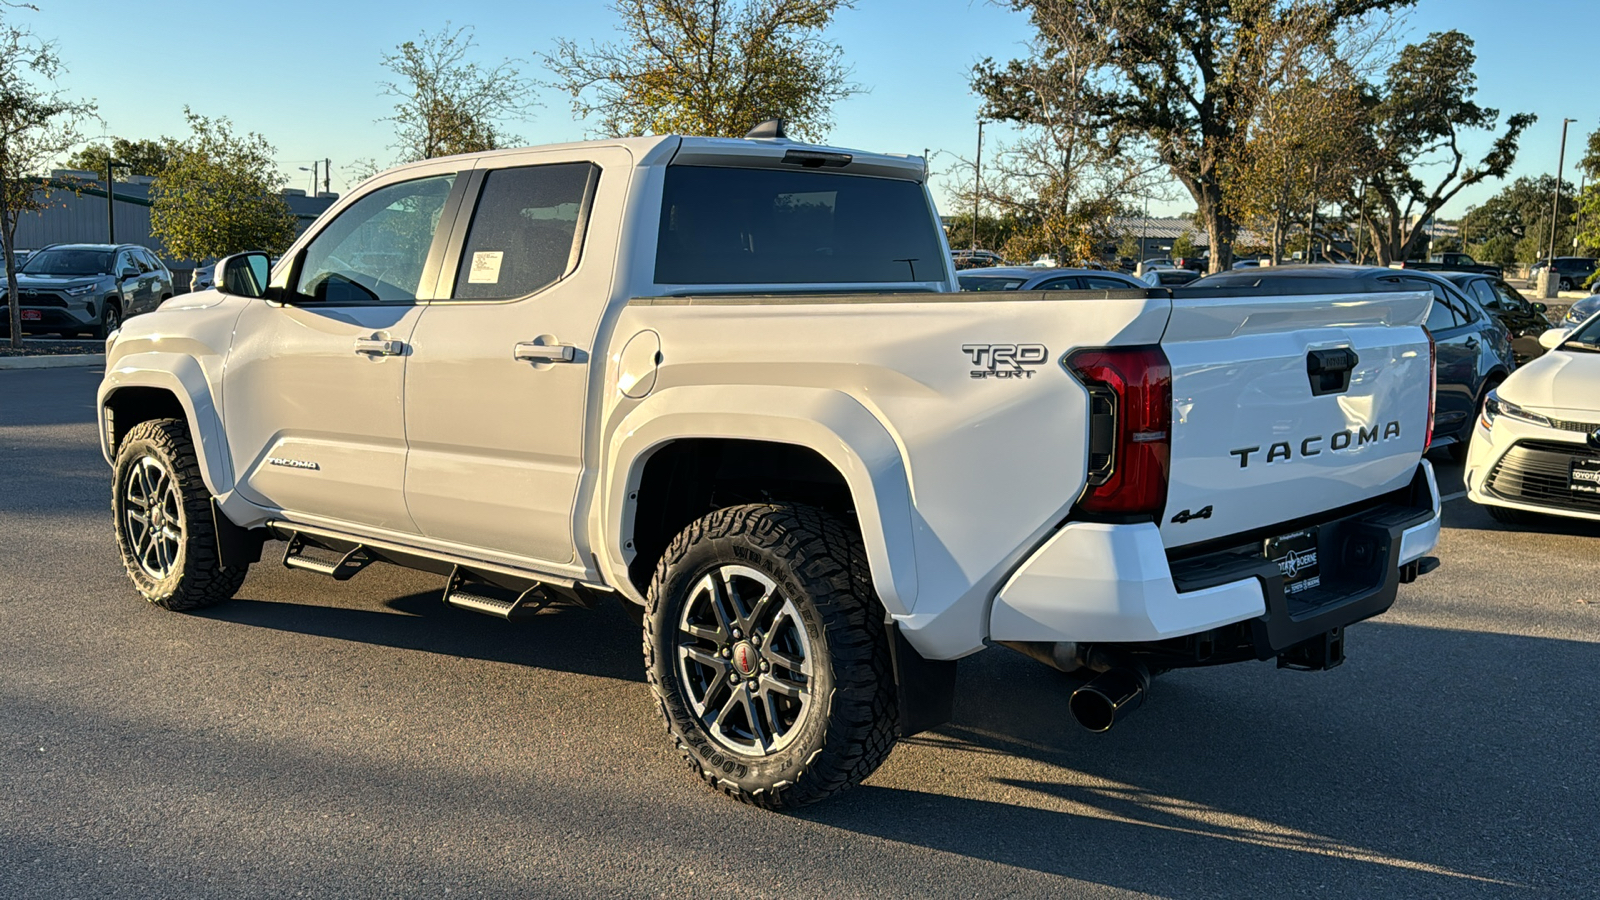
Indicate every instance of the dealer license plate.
{"type": "Point", "coordinates": [31, 315]}
{"type": "Point", "coordinates": [1296, 557]}
{"type": "Point", "coordinates": [1584, 477]}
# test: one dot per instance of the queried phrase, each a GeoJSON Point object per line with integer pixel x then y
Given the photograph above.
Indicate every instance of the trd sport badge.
{"type": "Point", "coordinates": [1005, 360]}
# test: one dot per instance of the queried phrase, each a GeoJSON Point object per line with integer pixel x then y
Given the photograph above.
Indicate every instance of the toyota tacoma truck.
{"type": "Point", "coordinates": [732, 384]}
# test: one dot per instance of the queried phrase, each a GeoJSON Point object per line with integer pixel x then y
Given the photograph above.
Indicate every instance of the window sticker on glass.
{"type": "Point", "coordinates": [486, 267]}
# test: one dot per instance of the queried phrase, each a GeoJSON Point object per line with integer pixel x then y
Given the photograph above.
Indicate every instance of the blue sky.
{"type": "Point", "coordinates": [306, 74]}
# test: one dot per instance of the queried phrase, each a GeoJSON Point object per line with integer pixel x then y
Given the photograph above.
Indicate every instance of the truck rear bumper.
{"type": "Point", "coordinates": [1107, 583]}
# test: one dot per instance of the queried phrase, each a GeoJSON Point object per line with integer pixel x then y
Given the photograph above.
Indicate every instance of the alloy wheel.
{"type": "Point", "coordinates": [152, 516]}
{"type": "Point", "coordinates": [745, 660]}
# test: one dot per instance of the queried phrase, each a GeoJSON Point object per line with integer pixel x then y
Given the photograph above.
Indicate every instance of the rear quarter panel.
{"type": "Point", "coordinates": [991, 456]}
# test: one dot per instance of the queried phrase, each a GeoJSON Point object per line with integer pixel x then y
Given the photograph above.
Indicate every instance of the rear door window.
{"type": "Point", "coordinates": [769, 226]}
{"type": "Point", "coordinates": [1100, 283]}
{"type": "Point", "coordinates": [526, 232]}
{"type": "Point", "coordinates": [1059, 284]}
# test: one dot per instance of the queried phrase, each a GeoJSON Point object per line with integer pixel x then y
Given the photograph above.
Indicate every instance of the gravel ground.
{"type": "Point", "coordinates": [361, 739]}
{"type": "Point", "coordinates": [50, 347]}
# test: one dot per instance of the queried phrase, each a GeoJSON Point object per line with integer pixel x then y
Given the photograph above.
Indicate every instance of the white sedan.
{"type": "Point", "coordinates": [1536, 448]}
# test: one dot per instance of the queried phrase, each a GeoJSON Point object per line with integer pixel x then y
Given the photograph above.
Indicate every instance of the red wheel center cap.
{"type": "Point", "coordinates": [745, 658]}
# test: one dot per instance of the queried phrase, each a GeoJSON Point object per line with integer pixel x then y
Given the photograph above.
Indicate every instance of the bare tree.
{"type": "Point", "coordinates": [1069, 173]}
{"type": "Point", "coordinates": [1181, 73]}
{"type": "Point", "coordinates": [446, 102]}
{"type": "Point", "coordinates": [709, 67]}
{"type": "Point", "coordinates": [38, 123]}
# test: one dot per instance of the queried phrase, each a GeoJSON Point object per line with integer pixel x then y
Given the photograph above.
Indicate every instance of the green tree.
{"type": "Point", "coordinates": [1517, 210]}
{"type": "Point", "coordinates": [1183, 245]}
{"type": "Point", "coordinates": [1130, 247]}
{"type": "Point", "coordinates": [1414, 131]}
{"type": "Point", "coordinates": [38, 123]}
{"type": "Point", "coordinates": [709, 67]}
{"type": "Point", "coordinates": [446, 102]}
{"type": "Point", "coordinates": [221, 193]}
{"type": "Point", "coordinates": [141, 157]}
{"type": "Point", "coordinates": [1587, 214]}
{"type": "Point", "coordinates": [1184, 75]}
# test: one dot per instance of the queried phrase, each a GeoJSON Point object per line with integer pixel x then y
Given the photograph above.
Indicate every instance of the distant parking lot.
{"type": "Point", "coordinates": [363, 739]}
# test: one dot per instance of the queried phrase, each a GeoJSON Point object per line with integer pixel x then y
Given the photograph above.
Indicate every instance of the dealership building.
{"type": "Point", "coordinates": [78, 211]}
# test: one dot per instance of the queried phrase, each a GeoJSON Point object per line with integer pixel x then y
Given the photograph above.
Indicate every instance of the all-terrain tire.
{"type": "Point", "coordinates": [815, 561]}
{"type": "Point", "coordinates": [189, 575]}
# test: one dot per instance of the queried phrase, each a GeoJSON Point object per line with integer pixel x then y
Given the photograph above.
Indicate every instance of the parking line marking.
{"type": "Point", "coordinates": [1456, 496]}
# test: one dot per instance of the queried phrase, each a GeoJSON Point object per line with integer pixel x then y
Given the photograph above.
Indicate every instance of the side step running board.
{"type": "Point", "coordinates": [491, 599]}
{"type": "Point", "coordinates": [299, 555]}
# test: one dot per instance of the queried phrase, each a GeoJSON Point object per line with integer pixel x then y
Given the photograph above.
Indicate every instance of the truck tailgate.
{"type": "Point", "coordinates": [1264, 429]}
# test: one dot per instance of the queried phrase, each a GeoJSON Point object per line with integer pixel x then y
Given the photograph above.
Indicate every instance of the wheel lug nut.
{"type": "Point", "coordinates": [736, 634]}
{"type": "Point", "coordinates": [727, 652]}
{"type": "Point", "coordinates": [765, 665]}
{"type": "Point", "coordinates": [756, 639]}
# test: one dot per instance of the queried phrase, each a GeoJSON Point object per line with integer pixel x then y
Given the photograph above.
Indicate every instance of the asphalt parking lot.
{"type": "Point", "coordinates": [316, 738]}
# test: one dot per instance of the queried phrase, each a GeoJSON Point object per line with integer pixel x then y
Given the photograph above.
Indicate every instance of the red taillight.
{"type": "Point", "coordinates": [1433, 386]}
{"type": "Point", "coordinates": [1131, 389]}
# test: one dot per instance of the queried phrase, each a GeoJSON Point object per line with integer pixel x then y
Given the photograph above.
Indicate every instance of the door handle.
{"type": "Point", "coordinates": [547, 353]}
{"type": "Point", "coordinates": [376, 347]}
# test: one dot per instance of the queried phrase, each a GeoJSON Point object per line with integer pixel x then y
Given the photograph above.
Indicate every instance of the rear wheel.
{"type": "Point", "coordinates": [162, 513]}
{"type": "Point", "coordinates": [766, 649]}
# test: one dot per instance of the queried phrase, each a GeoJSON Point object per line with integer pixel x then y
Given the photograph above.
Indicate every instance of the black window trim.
{"type": "Point", "coordinates": [472, 194]}
{"type": "Point", "coordinates": [430, 267]}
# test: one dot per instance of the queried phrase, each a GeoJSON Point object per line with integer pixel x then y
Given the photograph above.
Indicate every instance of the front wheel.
{"type": "Point", "coordinates": [110, 320]}
{"type": "Point", "coordinates": [766, 649]}
{"type": "Point", "coordinates": [162, 512]}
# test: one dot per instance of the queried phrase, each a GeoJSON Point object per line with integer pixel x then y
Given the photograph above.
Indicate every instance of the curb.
{"type": "Point", "coordinates": [60, 361]}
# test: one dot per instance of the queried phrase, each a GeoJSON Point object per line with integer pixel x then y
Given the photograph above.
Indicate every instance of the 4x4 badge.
{"type": "Point", "coordinates": [1186, 517]}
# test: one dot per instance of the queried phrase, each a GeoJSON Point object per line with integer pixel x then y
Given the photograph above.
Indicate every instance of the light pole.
{"type": "Point", "coordinates": [1555, 209]}
{"type": "Point", "coordinates": [1577, 227]}
{"type": "Point", "coordinates": [111, 200]}
{"type": "Point", "coordinates": [313, 171]}
{"type": "Point", "coordinates": [977, 185]}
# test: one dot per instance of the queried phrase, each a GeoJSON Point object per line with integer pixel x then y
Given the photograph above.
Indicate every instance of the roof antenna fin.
{"type": "Point", "coordinates": [771, 128]}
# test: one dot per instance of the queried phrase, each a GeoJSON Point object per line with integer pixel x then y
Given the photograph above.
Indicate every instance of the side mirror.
{"type": "Point", "coordinates": [128, 272]}
{"type": "Point", "coordinates": [243, 274]}
{"type": "Point", "coordinates": [1553, 338]}
{"type": "Point", "coordinates": [1540, 307]}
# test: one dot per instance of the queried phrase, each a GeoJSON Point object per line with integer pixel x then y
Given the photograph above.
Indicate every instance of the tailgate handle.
{"type": "Point", "coordinates": [1329, 370]}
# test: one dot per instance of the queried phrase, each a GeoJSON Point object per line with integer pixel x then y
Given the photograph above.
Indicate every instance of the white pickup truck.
{"type": "Point", "coordinates": [731, 383]}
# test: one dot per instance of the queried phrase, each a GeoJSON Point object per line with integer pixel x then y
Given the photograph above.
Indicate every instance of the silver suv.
{"type": "Point", "coordinates": [77, 288]}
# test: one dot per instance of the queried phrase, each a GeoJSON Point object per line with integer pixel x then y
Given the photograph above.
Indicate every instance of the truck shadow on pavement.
{"type": "Point", "coordinates": [1426, 771]}
{"type": "Point", "coordinates": [602, 642]}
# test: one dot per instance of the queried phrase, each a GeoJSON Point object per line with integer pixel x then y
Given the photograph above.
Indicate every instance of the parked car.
{"type": "Point", "coordinates": [1574, 271]}
{"type": "Point", "coordinates": [1192, 263]}
{"type": "Point", "coordinates": [204, 277]}
{"type": "Point", "coordinates": [1032, 278]}
{"type": "Point", "coordinates": [1536, 448]}
{"type": "Point", "coordinates": [1525, 320]}
{"type": "Point", "coordinates": [88, 288]}
{"type": "Point", "coordinates": [1247, 263]}
{"type": "Point", "coordinates": [973, 259]}
{"type": "Point", "coordinates": [1169, 277]}
{"type": "Point", "coordinates": [1159, 262]}
{"type": "Point", "coordinates": [1580, 311]}
{"type": "Point", "coordinates": [641, 374]}
{"type": "Point", "coordinates": [1451, 262]}
{"type": "Point", "coordinates": [1473, 352]}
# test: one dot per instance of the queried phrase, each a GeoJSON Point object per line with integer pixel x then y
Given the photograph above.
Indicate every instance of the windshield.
{"type": "Point", "coordinates": [1585, 338]}
{"type": "Point", "coordinates": [989, 283]}
{"type": "Point", "coordinates": [68, 262]}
